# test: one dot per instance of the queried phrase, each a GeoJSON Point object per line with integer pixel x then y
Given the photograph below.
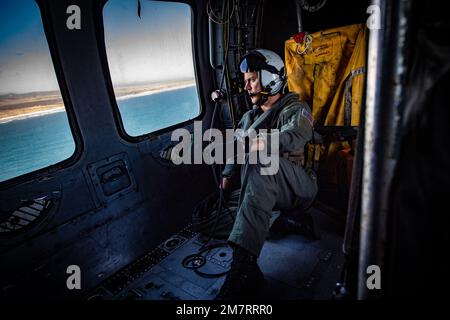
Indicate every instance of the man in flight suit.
{"type": "Point", "coordinates": [290, 187]}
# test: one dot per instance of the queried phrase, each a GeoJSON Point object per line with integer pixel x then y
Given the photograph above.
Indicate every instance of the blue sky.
{"type": "Point", "coordinates": [24, 57]}
{"type": "Point", "coordinates": [154, 48]}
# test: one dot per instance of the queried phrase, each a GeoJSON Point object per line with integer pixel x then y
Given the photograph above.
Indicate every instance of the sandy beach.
{"type": "Point", "coordinates": [21, 106]}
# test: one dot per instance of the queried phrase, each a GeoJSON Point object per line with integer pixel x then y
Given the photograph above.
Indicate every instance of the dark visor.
{"type": "Point", "coordinates": [255, 61]}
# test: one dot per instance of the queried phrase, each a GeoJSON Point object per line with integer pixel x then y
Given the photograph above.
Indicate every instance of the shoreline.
{"type": "Point", "coordinates": [150, 92]}
{"type": "Point", "coordinates": [125, 96]}
{"type": "Point", "coordinates": [31, 115]}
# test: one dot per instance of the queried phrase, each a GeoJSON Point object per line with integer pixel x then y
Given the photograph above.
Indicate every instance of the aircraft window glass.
{"type": "Point", "coordinates": [34, 128]}
{"type": "Point", "coordinates": [151, 63]}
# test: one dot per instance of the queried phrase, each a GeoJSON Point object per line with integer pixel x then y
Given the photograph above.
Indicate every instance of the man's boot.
{"type": "Point", "coordinates": [305, 228]}
{"type": "Point", "coordinates": [245, 280]}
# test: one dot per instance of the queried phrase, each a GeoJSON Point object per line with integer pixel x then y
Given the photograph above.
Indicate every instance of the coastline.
{"type": "Point", "coordinates": [150, 92]}
{"type": "Point", "coordinates": [122, 93]}
{"type": "Point", "coordinates": [31, 114]}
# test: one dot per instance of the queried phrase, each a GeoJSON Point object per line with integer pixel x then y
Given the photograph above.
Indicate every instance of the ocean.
{"type": "Point", "coordinates": [34, 143]}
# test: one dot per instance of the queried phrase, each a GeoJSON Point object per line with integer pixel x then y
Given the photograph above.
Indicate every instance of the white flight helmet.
{"type": "Point", "coordinates": [269, 65]}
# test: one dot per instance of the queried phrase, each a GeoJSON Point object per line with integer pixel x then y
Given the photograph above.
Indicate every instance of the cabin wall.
{"type": "Point", "coordinates": [98, 232]}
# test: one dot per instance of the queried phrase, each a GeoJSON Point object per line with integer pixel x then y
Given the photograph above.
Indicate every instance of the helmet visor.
{"type": "Point", "coordinates": [251, 62]}
{"type": "Point", "coordinates": [255, 61]}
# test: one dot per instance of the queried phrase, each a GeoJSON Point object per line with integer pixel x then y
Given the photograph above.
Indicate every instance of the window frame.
{"type": "Point", "coordinates": [197, 77]}
{"type": "Point", "coordinates": [68, 106]}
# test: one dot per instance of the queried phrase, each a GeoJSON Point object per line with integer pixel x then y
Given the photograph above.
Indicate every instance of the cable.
{"type": "Point", "coordinates": [225, 69]}
{"type": "Point", "coordinates": [214, 18]}
{"type": "Point", "coordinates": [225, 63]}
{"type": "Point", "coordinates": [227, 76]}
{"type": "Point", "coordinates": [197, 260]}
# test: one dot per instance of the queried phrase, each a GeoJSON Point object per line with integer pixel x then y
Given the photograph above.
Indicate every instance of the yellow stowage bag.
{"type": "Point", "coordinates": [328, 73]}
{"type": "Point", "coordinates": [335, 58]}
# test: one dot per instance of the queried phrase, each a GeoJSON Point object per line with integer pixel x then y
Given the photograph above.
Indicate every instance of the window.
{"type": "Point", "coordinates": [151, 63]}
{"type": "Point", "coordinates": [34, 128]}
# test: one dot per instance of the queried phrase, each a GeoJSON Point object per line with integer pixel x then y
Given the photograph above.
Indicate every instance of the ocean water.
{"type": "Point", "coordinates": [35, 143]}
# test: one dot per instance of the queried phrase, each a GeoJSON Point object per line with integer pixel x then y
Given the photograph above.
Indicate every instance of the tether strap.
{"type": "Point", "coordinates": [348, 95]}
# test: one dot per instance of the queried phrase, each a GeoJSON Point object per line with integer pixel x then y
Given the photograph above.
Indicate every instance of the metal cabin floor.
{"type": "Point", "coordinates": [294, 268]}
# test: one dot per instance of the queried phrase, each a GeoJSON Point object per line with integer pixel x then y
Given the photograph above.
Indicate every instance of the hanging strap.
{"type": "Point", "coordinates": [348, 95]}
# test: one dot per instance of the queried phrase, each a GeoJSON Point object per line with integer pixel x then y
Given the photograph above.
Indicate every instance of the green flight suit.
{"type": "Point", "coordinates": [292, 186]}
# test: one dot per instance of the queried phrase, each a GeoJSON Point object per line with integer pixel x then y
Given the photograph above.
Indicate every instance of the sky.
{"type": "Point", "coordinates": [156, 47]}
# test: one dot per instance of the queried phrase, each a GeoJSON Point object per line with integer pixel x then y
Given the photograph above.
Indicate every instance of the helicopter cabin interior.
{"type": "Point", "coordinates": [92, 91]}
